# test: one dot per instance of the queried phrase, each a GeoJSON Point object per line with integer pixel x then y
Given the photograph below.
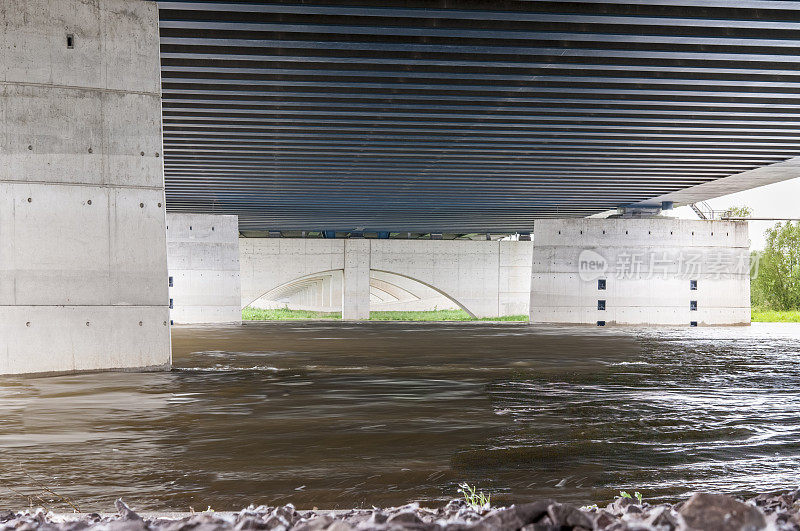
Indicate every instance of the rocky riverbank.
{"type": "Point", "coordinates": [701, 512]}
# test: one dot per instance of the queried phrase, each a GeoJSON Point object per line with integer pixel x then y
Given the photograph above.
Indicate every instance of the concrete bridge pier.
{"type": "Point", "coordinates": [203, 258]}
{"type": "Point", "coordinates": [651, 271]}
{"type": "Point", "coordinates": [83, 268]}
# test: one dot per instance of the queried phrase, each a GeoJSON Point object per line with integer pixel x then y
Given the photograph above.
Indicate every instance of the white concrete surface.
{"type": "Point", "coordinates": [203, 261]}
{"type": "Point", "coordinates": [486, 278]}
{"type": "Point", "coordinates": [355, 289]}
{"type": "Point", "coordinates": [82, 242]}
{"type": "Point", "coordinates": [647, 265]}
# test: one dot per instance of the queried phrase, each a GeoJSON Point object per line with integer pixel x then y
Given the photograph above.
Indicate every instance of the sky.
{"type": "Point", "coordinates": [779, 200]}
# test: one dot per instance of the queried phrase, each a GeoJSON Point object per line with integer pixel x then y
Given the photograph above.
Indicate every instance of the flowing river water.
{"type": "Point", "coordinates": [338, 415]}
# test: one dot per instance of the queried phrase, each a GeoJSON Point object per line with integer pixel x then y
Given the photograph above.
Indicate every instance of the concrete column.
{"type": "Point", "coordinates": [337, 290]}
{"type": "Point", "coordinates": [203, 259]}
{"type": "Point", "coordinates": [657, 271]}
{"type": "Point", "coordinates": [326, 291]}
{"type": "Point", "coordinates": [83, 271]}
{"type": "Point", "coordinates": [355, 295]}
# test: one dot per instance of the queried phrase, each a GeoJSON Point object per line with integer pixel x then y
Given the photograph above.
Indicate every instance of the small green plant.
{"type": "Point", "coordinates": [476, 500]}
{"type": "Point", "coordinates": [592, 507]}
{"type": "Point", "coordinates": [637, 495]}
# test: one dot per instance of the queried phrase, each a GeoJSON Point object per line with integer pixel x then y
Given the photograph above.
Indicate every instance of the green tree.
{"type": "Point", "coordinates": [776, 282]}
{"type": "Point", "coordinates": [737, 212]}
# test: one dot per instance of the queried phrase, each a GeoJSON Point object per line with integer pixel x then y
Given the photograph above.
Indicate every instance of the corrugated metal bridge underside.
{"type": "Point", "coordinates": [467, 116]}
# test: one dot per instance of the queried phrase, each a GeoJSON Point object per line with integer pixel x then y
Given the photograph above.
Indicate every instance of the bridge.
{"type": "Point", "coordinates": [426, 117]}
{"type": "Point", "coordinates": [349, 124]}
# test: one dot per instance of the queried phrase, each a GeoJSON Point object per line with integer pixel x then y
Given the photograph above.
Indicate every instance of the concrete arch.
{"type": "Point", "coordinates": [485, 278]}
{"type": "Point", "coordinates": [320, 291]}
{"type": "Point", "coordinates": [434, 288]}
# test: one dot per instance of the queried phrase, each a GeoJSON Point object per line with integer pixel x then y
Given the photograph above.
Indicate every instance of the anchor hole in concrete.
{"type": "Point", "coordinates": [70, 41]}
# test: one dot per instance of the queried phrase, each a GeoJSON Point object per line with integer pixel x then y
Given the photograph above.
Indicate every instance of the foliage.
{"type": "Point", "coordinates": [257, 314]}
{"type": "Point", "coordinates": [476, 500]}
{"type": "Point", "coordinates": [762, 315]}
{"type": "Point", "coordinates": [438, 315]}
{"type": "Point", "coordinates": [738, 212]}
{"type": "Point", "coordinates": [776, 282]}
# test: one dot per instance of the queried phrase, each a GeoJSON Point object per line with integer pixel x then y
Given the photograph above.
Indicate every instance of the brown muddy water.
{"type": "Point", "coordinates": [331, 414]}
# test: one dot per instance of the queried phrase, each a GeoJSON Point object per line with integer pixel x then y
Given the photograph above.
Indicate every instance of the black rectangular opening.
{"type": "Point", "coordinates": [601, 304]}
{"type": "Point", "coordinates": [692, 285]}
{"type": "Point", "coordinates": [170, 304]}
{"type": "Point", "coordinates": [70, 41]}
{"type": "Point", "coordinates": [601, 283]}
{"type": "Point", "coordinates": [170, 281]}
{"type": "Point", "coordinates": [601, 323]}
{"type": "Point", "coordinates": [693, 305]}
{"type": "Point", "coordinates": [692, 323]}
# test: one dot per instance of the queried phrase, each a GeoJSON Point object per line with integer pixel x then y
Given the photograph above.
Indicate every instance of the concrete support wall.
{"type": "Point", "coordinates": [82, 244]}
{"type": "Point", "coordinates": [648, 266]}
{"type": "Point", "coordinates": [203, 260]}
{"type": "Point", "coordinates": [488, 279]}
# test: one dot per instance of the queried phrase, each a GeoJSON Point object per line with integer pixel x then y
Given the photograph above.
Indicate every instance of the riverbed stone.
{"type": "Point", "coordinates": [662, 519]}
{"type": "Point", "coordinates": [514, 517]}
{"type": "Point", "coordinates": [125, 512]}
{"type": "Point", "coordinates": [718, 512]}
{"type": "Point", "coordinates": [603, 519]}
{"type": "Point", "coordinates": [706, 512]}
{"type": "Point", "coordinates": [406, 518]}
{"type": "Point", "coordinates": [569, 516]}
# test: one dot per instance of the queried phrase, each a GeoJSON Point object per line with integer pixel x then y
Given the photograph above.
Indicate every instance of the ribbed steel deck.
{"type": "Point", "coordinates": [467, 116]}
